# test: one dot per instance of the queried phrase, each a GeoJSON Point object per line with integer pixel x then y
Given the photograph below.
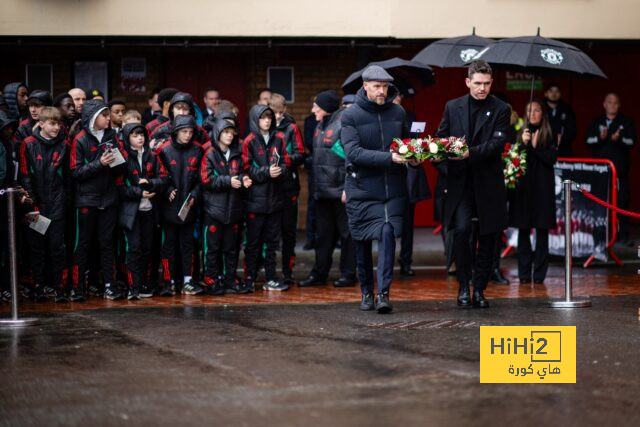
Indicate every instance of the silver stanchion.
{"type": "Point", "coordinates": [13, 264]}
{"type": "Point", "coordinates": [568, 301]}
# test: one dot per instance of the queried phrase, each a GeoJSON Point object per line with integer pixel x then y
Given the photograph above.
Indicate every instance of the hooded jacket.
{"type": "Point", "coordinates": [180, 169]}
{"type": "Point", "coordinates": [10, 154]}
{"type": "Point", "coordinates": [295, 150]}
{"type": "Point", "coordinates": [131, 191]}
{"type": "Point", "coordinates": [376, 188]}
{"type": "Point", "coordinates": [328, 163]}
{"type": "Point", "coordinates": [44, 173]}
{"type": "Point", "coordinates": [265, 195]}
{"type": "Point", "coordinates": [10, 93]}
{"type": "Point", "coordinates": [221, 201]}
{"type": "Point", "coordinates": [163, 131]}
{"type": "Point", "coordinates": [95, 184]}
{"type": "Point", "coordinates": [26, 125]}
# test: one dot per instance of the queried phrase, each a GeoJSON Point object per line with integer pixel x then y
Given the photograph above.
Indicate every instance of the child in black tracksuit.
{"type": "Point", "coordinates": [44, 176]}
{"type": "Point", "coordinates": [295, 149]}
{"type": "Point", "coordinates": [265, 160]}
{"type": "Point", "coordinates": [143, 185]}
{"type": "Point", "coordinates": [96, 196]}
{"type": "Point", "coordinates": [179, 158]}
{"type": "Point", "coordinates": [223, 177]}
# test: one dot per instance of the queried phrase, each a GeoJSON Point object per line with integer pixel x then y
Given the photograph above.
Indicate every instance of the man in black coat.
{"type": "Point", "coordinates": [562, 120]}
{"type": "Point", "coordinates": [328, 188]}
{"type": "Point", "coordinates": [475, 182]}
{"type": "Point", "coordinates": [376, 181]}
{"type": "Point", "coordinates": [611, 136]}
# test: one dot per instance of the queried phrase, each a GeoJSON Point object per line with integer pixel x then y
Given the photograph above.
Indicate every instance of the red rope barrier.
{"type": "Point", "coordinates": [609, 205]}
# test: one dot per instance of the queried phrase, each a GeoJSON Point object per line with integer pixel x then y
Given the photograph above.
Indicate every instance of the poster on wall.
{"type": "Point", "coordinates": [133, 74]}
{"type": "Point", "coordinates": [589, 221]}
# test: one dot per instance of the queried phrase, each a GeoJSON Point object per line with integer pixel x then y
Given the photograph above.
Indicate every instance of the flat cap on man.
{"type": "Point", "coordinates": [376, 73]}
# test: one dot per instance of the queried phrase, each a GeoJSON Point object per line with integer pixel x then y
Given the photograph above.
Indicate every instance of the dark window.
{"type": "Point", "coordinates": [280, 80]}
{"type": "Point", "coordinates": [40, 76]}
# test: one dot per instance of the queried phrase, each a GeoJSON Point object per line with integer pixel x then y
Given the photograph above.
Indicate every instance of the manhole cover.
{"type": "Point", "coordinates": [426, 324]}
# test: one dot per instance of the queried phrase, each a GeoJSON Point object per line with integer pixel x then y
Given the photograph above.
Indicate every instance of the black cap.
{"type": "Point", "coordinates": [95, 92]}
{"type": "Point", "coordinates": [42, 96]}
{"type": "Point", "coordinates": [328, 100]}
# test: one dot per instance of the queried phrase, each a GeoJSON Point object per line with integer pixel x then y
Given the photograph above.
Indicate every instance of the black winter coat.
{"type": "Point", "coordinates": [10, 93]}
{"type": "Point", "coordinates": [131, 191]}
{"type": "Point", "coordinates": [266, 195]}
{"type": "Point", "coordinates": [532, 204]}
{"type": "Point", "coordinates": [180, 164]}
{"type": "Point", "coordinates": [376, 188]}
{"type": "Point", "coordinates": [563, 122]}
{"type": "Point", "coordinates": [295, 150]}
{"type": "Point", "coordinates": [616, 151]}
{"type": "Point", "coordinates": [221, 201]}
{"type": "Point", "coordinates": [95, 185]}
{"type": "Point", "coordinates": [484, 164]}
{"type": "Point", "coordinates": [44, 173]}
{"type": "Point", "coordinates": [329, 167]}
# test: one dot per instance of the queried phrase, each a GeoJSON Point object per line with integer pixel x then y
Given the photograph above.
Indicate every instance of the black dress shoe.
{"type": "Point", "coordinates": [525, 281]}
{"type": "Point", "coordinates": [382, 304]}
{"type": "Point", "coordinates": [309, 246]}
{"type": "Point", "coordinates": [407, 271]}
{"type": "Point", "coordinates": [464, 297]}
{"type": "Point", "coordinates": [498, 277]}
{"type": "Point", "coordinates": [344, 282]}
{"type": "Point", "coordinates": [312, 281]}
{"type": "Point", "coordinates": [367, 302]}
{"type": "Point", "coordinates": [478, 299]}
{"type": "Point", "coordinates": [538, 282]}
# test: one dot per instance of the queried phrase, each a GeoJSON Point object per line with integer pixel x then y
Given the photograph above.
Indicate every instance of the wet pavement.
{"type": "Point", "coordinates": [310, 364]}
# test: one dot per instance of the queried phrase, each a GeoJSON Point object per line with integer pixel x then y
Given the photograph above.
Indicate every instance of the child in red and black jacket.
{"type": "Point", "coordinates": [295, 149]}
{"type": "Point", "coordinates": [266, 161]}
{"type": "Point", "coordinates": [38, 99]}
{"type": "Point", "coordinates": [180, 159]}
{"type": "Point", "coordinates": [44, 175]}
{"type": "Point", "coordinates": [93, 150]}
{"type": "Point", "coordinates": [164, 101]}
{"type": "Point", "coordinates": [181, 104]}
{"type": "Point", "coordinates": [138, 216]}
{"type": "Point", "coordinates": [223, 177]}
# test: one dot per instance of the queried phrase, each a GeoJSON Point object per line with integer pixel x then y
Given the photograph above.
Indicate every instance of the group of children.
{"type": "Point", "coordinates": [104, 193]}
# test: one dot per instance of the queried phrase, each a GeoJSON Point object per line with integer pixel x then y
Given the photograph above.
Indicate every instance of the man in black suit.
{"type": "Point", "coordinates": [475, 182]}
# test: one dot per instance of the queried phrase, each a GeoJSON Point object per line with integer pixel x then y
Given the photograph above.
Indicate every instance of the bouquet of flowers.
{"type": "Point", "coordinates": [429, 148]}
{"type": "Point", "coordinates": [515, 164]}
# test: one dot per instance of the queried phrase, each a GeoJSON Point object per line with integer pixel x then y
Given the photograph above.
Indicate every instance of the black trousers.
{"type": "Point", "coordinates": [220, 250]}
{"type": "Point", "coordinates": [406, 242]}
{"type": "Point", "coordinates": [480, 261]}
{"type": "Point", "coordinates": [138, 242]}
{"type": "Point", "coordinates": [386, 253]}
{"type": "Point", "coordinates": [174, 235]}
{"type": "Point", "coordinates": [539, 258]}
{"type": "Point", "coordinates": [331, 225]}
{"type": "Point", "coordinates": [289, 229]}
{"type": "Point", "coordinates": [53, 243]}
{"type": "Point", "coordinates": [262, 229]}
{"type": "Point", "coordinates": [89, 222]}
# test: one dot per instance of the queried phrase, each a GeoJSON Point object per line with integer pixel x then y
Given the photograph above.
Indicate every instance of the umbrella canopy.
{"type": "Point", "coordinates": [452, 52]}
{"type": "Point", "coordinates": [408, 75]}
{"type": "Point", "coordinates": [540, 55]}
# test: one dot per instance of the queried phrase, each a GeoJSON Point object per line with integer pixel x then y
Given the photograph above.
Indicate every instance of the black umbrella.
{"type": "Point", "coordinates": [540, 55]}
{"type": "Point", "coordinates": [408, 75]}
{"type": "Point", "coordinates": [452, 52]}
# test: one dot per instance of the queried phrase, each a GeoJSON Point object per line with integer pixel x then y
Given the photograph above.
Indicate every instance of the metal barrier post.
{"type": "Point", "coordinates": [568, 265]}
{"type": "Point", "coordinates": [13, 265]}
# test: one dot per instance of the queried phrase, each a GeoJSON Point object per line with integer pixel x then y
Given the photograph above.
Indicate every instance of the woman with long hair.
{"type": "Point", "coordinates": [532, 203]}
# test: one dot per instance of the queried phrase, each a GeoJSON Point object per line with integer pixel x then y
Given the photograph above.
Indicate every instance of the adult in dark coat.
{"type": "Point", "coordinates": [475, 182]}
{"type": "Point", "coordinates": [562, 120]}
{"type": "Point", "coordinates": [611, 136]}
{"type": "Point", "coordinates": [328, 187]}
{"type": "Point", "coordinates": [533, 204]}
{"type": "Point", "coordinates": [16, 94]}
{"type": "Point", "coordinates": [376, 181]}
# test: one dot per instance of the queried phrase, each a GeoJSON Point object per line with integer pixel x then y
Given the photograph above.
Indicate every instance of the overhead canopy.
{"type": "Point", "coordinates": [400, 19]}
